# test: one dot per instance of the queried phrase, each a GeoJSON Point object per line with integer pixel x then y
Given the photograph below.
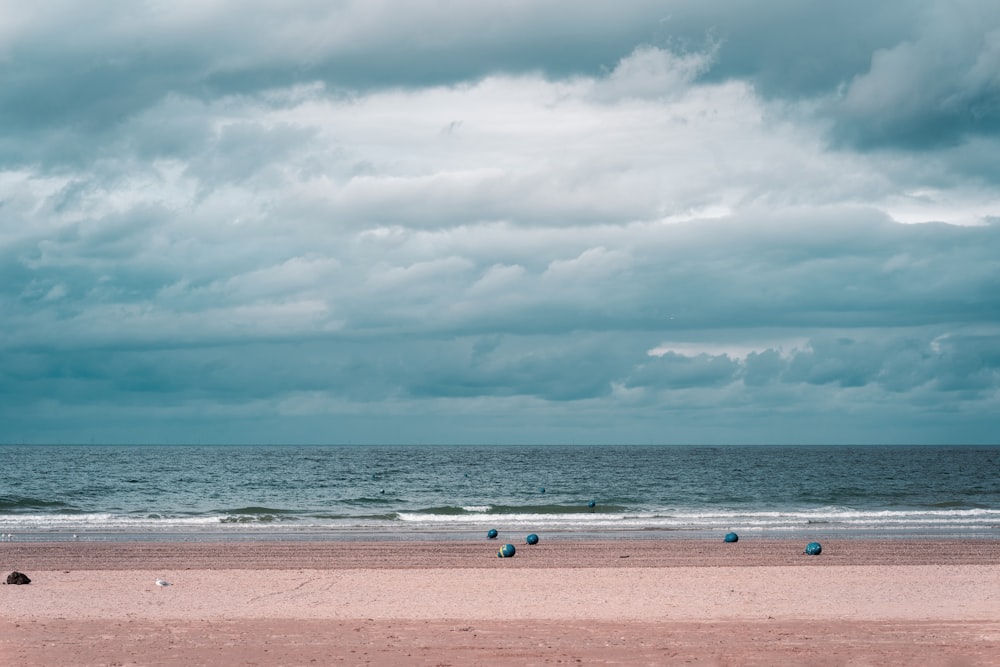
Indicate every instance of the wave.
{"type": "Point", "coordinates": [255, 518]}
{"type": "Point", "coordinates": [956, 504]}
{"type": "Point", "coordinates": [502, 510]}
{"type": "Point", "coordinates": [100, 521]}
{"type": "Point", "coordinates": [257, 510]}
{"type": "Point", "coordinates": [564, 518]}
{"type": "Point", "coordinates": [364, 501]}
{"type": "Point", "coordinates": [24, 503]}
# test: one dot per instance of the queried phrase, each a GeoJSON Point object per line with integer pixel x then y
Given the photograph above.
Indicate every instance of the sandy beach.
{"type": "Point", "coordinates": [455, 603]}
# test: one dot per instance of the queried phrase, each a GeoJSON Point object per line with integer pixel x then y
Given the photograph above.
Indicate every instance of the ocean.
{"type": "Point", "coordinates": [143, 492]}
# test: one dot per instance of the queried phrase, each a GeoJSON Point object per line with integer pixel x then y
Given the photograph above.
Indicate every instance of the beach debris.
{"type": "Point", "coordinates": [531, 539]}
{"type": "Point", "coordinates": [814, 549]}
{"type": "Point", "coordinates": [491, 534]}
{"type": "Point", "coordinates": [18, 578]}
{"type": "Point", "coordinates": [731, 537]}
{"type": "Point", "coordinates": [506, 551]}
{"type": "Point", "coordinates": [162, 582]}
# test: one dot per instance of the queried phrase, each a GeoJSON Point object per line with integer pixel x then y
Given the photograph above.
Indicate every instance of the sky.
{"type": "Point", "coordinates": [373, 222]}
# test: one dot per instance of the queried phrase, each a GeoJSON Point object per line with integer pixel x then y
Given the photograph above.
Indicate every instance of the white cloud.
{"type": "Point", "coordinates": [592, 264]}
{"type": "Point", "coordinates": [653, 73]}
{"type": "Point", "coordinates": [736, 351]}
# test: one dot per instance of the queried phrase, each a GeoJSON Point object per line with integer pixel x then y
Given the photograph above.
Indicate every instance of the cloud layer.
{"type": "Point", "coordinates": [355, 222]}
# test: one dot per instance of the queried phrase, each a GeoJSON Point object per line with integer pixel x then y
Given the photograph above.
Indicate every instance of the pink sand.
{"type": "Point", "coordinates": [633, 602]}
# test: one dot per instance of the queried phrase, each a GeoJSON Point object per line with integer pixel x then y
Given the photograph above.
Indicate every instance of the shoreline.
{"type": "Point", "coordinates": [627, 601]}
{"type": "Point", "coordinates": [481, 553]}
{"type": "Point", "coordinates": [477, 533]}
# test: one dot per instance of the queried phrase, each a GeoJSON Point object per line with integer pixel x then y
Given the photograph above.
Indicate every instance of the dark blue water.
{"type": "Point", "coordinates": [184, 492]}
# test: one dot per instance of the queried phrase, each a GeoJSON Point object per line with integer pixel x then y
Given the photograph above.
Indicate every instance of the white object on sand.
{"type": "Point", "coordinates": [161, 582]}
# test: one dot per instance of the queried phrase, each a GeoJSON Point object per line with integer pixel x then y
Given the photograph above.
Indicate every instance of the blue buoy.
{"type": "Point", "coordinates": [531, 539]}
{"type": "Point", "coordinates": [541, 490]}
{"type": "Point", "coordinates": [591, 504]}
{"type": "Point", "coordinates": [814, 549]}
{"type": "Point", "coordinates": [491, 534]}
{"type": "Point", "coordinates": [731, 537]}
{"type": "Point", "coordinates": [506, 551]}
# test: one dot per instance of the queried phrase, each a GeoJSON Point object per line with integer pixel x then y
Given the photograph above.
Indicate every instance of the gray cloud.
{"type": "Point", "coordinates": [538, 222]}
{"type": "Point", "coordinates": [936, 88]}
{"type": "Point", "coordinates": [915, 73]}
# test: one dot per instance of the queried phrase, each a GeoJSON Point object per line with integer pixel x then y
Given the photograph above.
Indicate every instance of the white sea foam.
{"type": "Point", "coordinates": [477, 508]}
{"type": "Point", "coordinates": [479, 517]}
{"type": "Point", "coordinates": [833, 519]}
{"type": "Point", "coordinates": [101, 521]}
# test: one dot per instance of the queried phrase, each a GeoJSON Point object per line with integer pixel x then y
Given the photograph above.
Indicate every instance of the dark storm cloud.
{"type": "Point", "coordinates": [899, 73]}
{"type": "Point", "coordinates": [87, 69]}
{"type": "Point", "coordinates": [937, 87]}
{"type": "Point", "coordinates": [651, 221]}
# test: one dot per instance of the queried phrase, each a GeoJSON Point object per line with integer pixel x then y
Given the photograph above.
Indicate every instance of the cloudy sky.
{"type": "Point", "coordinates": [432, 221]}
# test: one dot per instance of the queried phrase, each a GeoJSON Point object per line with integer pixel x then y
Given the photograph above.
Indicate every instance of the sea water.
{"type": "Point", "coordinates": [445, 492]}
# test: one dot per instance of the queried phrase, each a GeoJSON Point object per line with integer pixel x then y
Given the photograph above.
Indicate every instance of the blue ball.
{"type": "Point", "coordinates": [814, 548]}
{"type": "Point", "coordinates": [531, 539]}
{"type": "Point", "coordinates": [541, 490]}
{"type": "Point", "coordinates": [591, 504]}
{"type": "Point", "coordinates": [506, 551]}
{"type": "Point", "coordinates": [731, 537]}
{"type": "Point", "coordinates": [492, 534]}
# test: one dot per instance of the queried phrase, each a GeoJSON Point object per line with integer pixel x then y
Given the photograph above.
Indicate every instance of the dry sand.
{"type": "Point", "coordinates": [455, 603]}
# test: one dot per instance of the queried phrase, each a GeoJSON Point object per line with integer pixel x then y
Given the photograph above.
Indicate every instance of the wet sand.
{"type": "Point", "coordinates": [613, 601]}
